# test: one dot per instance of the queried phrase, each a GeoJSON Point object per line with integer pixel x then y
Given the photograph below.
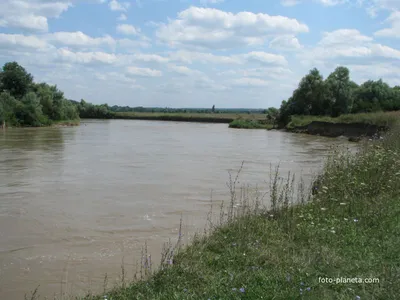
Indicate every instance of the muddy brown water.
{"type": "Point", "coordinates": [76, 202]}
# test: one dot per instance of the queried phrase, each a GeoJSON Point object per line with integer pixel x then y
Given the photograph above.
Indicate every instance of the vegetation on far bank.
{"type": "Point", "coordinates": [347, 229]}
{"type": "Point", "coordinates": [195, 117]}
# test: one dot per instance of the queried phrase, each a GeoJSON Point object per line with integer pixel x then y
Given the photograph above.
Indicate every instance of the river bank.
{"type": "Point", "coordinates": [341, 242]}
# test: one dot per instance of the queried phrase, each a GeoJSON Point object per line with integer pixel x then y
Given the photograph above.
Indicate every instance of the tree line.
{"type": "Point", "coordinates": [26, 103]}
{"type": "Point", "coordinates": [336, 95]}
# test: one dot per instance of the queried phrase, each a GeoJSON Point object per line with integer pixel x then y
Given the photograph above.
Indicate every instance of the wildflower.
{"type": "Point", "coordinates": [308, 289]}
{"type": "Point", "coordinates": [185, 290]}
{"type": "Point", "coordinates": [288, 278]}
{"type": "Point", "coordinates": [355, 220]}
{"type": "Point", "coordinates": [346, 219]}
{"type": "Point", "coordinates": [105, 297]}
{"type": "Point", "coordinates": [358, 297]}
{"type": "Point", "coordinates": [242, 290]}
{"type": "Point", "coordinates": [323, 208]}
{"type": "Point", "coordinates": [301, 283]}
{"type": "Point", "coordinates": [333, 231]}
{"type": "Point", "coordinates": [343, 203]}
{"type": "Point", "coordinates": [234, 244]}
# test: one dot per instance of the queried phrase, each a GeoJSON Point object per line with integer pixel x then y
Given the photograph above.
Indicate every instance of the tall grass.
{"type": "Point", "coordinates": [289, 246]}
{"type": "Point", "coordinates": [379, 118]}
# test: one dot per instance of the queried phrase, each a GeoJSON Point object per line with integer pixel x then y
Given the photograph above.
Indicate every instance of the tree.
{"type": "Point", "coordinates": [272, 114]}
{"type": "Point", "coordinates": [374, 96]}
{"type": "Point", "coordinates": [29, 111]}
{"type": "Point", "coordinates": [15, 79]}
{"type": "Point", "coordinates": [310, 96]}
{"type": "Point", "coordinates": [213, 109]}
{"type": "Point", "coordinates": [339, 91]}
{"type": "Point", "coordinates": [7, 109]}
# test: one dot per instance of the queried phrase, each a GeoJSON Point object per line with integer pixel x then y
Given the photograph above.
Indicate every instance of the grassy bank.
{"type": "Point", "coordinates": [250, 124]}
{"type": "Point", "coordinates": [379, 119]}
{"type": "Point", "coordinates": [348, 228]}
{"type": "Point", "coordinates": [188, 117]}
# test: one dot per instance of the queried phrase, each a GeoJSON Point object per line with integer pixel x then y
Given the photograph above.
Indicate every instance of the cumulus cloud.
{"type": "Point", "coordinates": [86, 57]}
{"type": "Point", "coordinates": [19, 41]}
{"type": "Point", "coordinates": [255, 57]}
{"type": "Point", "coordinates": [323, 2]}
{"type": "Point", "coordinates": [250, 82]}
{"type": "Point", "coordinates": [127, 29]}
{"type": "Point", "coordinates": [285, 43]}
{"type": "Point", "coordinates": [143, 72]}
{"type": "Point", "coordinates": [30, 14]}
{"type": "Point", "coordinates": [394, 30]}
{"type": "Point", "coordinates": [114, 5]}
{"type": "Point", "coordinates": [78, 39]}
{"type": "Point", "coordinates": [122, 17]}
{"type": "Point", "coordinates": [210, 28]}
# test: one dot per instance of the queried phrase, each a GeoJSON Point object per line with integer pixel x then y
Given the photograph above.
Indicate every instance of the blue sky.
{"type": "Point", "coordinates": [181, 53]}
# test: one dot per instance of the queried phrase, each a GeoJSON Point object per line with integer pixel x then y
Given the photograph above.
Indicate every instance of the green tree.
{"type": "Point", "coordinates": [29, 111]}
{"type": "Point", "coordinates": [339, 91]}
{"type": "Point", "coordinates": [272, 114]}
{"type": "Point", "coordinates": [310, 96]}
{"type": "Point", "coordinates": [374, 96]}
{"type": "Point", "coordinates": [15, 79]}
{"type": "Point", "coordinates": [7, 109]}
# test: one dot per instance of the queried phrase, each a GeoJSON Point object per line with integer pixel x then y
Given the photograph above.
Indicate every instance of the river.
{"type": "Point", "coordinates": [77, 201]}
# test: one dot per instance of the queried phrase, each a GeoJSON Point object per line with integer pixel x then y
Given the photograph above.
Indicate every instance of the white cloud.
{"type": "Point", "coordinates": [209, 28]}
{"type": "Point", "coordinates": [285, 43]}
{"type": "Point", "coordinates": [265, 58]}
{"type": "Point", "coordinates": [394, 30]}
{"type": "Point", "coordinates": [323, 2]}
{"type": "Point", "coordinates": [344, 37]}
{"type": "Point", "coordinates": [127, 29]}
{"type": "Point", "coordinates": [118, 6]}
{"type": "Point", "coordinates": [250, 82]}
{"type": "Point", "coordinates": [183, 70]}
{"type": "Point", "coordinates": [256, 57]}
{"type": "Point", "coordinates": [86, 57]}
{"type": "Point", "coordinates": [191, 56]}
{"type": "Point", "coordinates": [208, 2]}
{"type": "Point", "coordinates": [122, 17]}
{"type": "Point", "coordinates": [143, 72]}
{"type": "Point", "coordinates": [79, 39]}
{"type": "Point", "coordinates": [30, 14]}
{"type": "Point", "coordinates": [15, 41]}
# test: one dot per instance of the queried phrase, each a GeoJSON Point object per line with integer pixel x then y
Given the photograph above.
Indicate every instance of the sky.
{"type": "Point", "coordinates": [198, 53]}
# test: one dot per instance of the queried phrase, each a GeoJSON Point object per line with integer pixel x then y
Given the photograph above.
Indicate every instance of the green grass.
{"type": "Point", "coordinates": [378, 118]}
{"type": "Point", "coordinates": [189, 117]}
{"type": "Point", "coordinates": [250, 124]}
{"type": "Point", "coordinates": [349, 227]}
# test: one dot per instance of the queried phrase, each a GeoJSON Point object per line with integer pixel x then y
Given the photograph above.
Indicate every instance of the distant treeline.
{"type": "Point", "coordinates": [116, 108]}
{"type": "Point", "coordinates": [336, 95]}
